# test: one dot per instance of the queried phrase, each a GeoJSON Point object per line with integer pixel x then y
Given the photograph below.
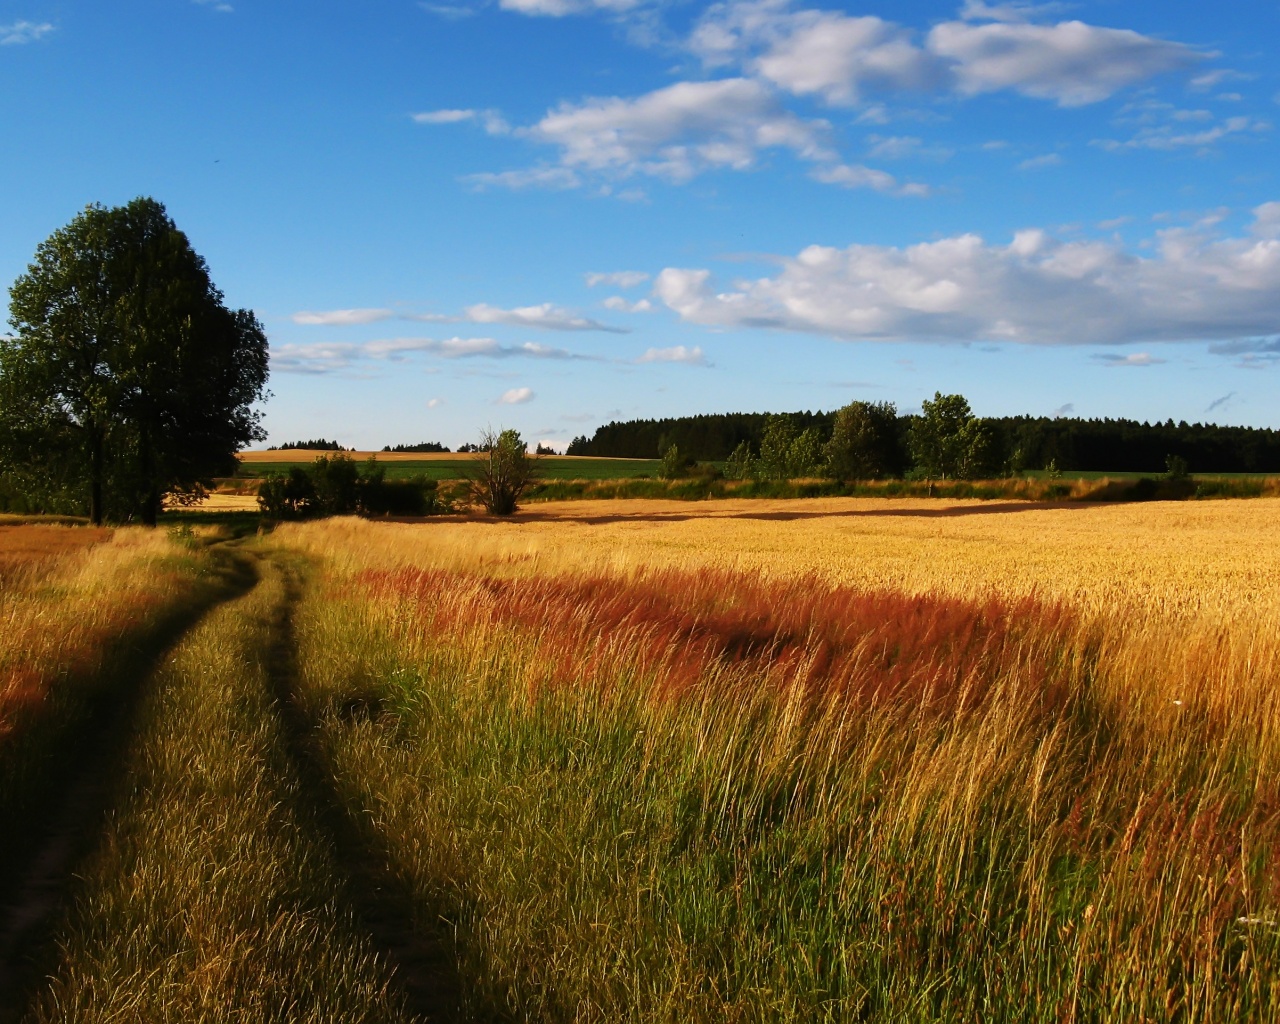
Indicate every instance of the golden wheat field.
{"type": "Point", "coordinates": [671, 762]}
{"type": "Point", "coordinates": [1202, 558]}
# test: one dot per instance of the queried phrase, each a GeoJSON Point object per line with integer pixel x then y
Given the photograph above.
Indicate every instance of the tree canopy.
{"type": "Point", "coordinates": [127, 378]}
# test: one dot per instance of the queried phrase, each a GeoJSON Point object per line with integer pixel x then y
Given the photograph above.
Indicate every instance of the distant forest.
{"type": "Point", "coordinates": [318, 445]}
{"type": "Point", "coordinates": [426, 447]}
{"type": "Point", "coordinates": [1022, 442]}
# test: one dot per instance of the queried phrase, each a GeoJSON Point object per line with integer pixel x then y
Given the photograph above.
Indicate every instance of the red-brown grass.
{"type": "Point", "coordinates": [879, 645]}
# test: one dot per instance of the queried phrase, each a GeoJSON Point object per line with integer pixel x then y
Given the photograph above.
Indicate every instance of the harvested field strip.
{"type": "Point", "coordinates": [790, 832]}
{"type": "Point", "coordinates": [211, 897]}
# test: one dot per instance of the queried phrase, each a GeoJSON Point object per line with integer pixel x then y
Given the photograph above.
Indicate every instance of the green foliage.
{"type": "Point", "coordinates": [864, 442]}
{"type": "Point", "coordinates": [937, 438]}
{"type": "Point", "coordinates": [502, 472]}
{"type": "Point", "coordinates": [335, 486]}
{"type": "Point", "coordinates": [787, 452]}
{"type": "Point", "coordinates": [336, 480]}
{"type": "Point", "coordinates": [739, 465]}
{"type": "Point", "coordinates": [673, 464]}
{"type": "Point", "coordinates": [1175, 467]}
{"type": "Point", "coordinates": [127, 378]}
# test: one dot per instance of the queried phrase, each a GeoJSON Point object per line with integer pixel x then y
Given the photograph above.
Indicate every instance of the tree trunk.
{"type": "Point", "coordinates": [150, 511]}
{"type": "Point", "coordinates": [95, 474]}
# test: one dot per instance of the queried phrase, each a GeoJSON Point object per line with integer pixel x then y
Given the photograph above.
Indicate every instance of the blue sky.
{"type": "Point", "coordinates": [548, 214]}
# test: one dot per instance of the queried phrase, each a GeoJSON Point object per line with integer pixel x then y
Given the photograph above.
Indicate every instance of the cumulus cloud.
{"type": "Point", "coordinates": [434, 403]}
{"type": "Point", "coordinates": [517, 396]}
{"type": "Point", "coordinates": [341, 317]}
{"type": "Point", "coordinates": [617, 278]}
{"type": "Point", "coordinates": [1035, 289]}
{"type": "Point", "coordinates": [546, 316]}
{"type": "Point", "coordinates": [842, 58]}
{"type": "Point", "coordinates": [1071, 62]}
{"type": "Point", "coordinates": [17, 33]}
{"type": "Point", "coordinates": [326, 357]}
{"type": "Point", "coordinates": [678, 131]}
{"type": "Point", "coordinates": [675, 354]}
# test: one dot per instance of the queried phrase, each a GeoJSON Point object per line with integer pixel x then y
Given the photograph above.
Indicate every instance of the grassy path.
{"type": "Point", "coordinates": [423, 970]}
{"type": "Point", "coordinates": [49, 830]}
{"type": "Point", "coordinates": [214, 893]}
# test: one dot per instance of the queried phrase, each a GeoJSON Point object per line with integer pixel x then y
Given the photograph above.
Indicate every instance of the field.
{"type": "Point", "coordinates": [451, 465]}
{"type": "Point", "coordinates": [839, 759]}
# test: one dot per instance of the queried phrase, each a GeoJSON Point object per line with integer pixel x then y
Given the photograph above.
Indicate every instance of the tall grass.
{"type": "Point", "coordinates": [212, 897]}
{"type": "Point", "coordinates": [706, 795]}
{"type": "Point", "coordinates": [74, 616]}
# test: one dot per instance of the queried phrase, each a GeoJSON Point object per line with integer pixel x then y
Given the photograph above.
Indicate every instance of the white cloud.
{"type": "Point", "coordinates": [221, 6]}
{"type": "Point", "coordinates": [444, 116]}
{"type": "Point", "coordinates": [812, 52]}
{"type": "Point", "coordinates": [1038, 163]}
{"type": "Point", "coordinates": [1167, 137]}
{"type": "Point", "coordinates": [621, 305]}
{"type": "Point", "coordinates": [531, 177]}
{"type": "Point", "coordinates": [545, 316]}
{"type": "Point", "coordinates": [1071, 62]}
{"type": "Point", "coordinates": [1035, 290]}
{"type": "Point", "coordinates": [19, 32]}
{"type": "Point", "coordinates": [517, 396]}
{"type": "Point", "coordinates": [326, 357]}
{"type": "Point", "coordinates": [678, 131]}
{"type": "Point", "coordinates": [859, 176]}
{"type": "Point", "coordinates": [676, 354]}
{"type": "Point", "coordinates": [341, 317]}
{"type": "Point", "coordinates": [434, 403]}
{"type": "Point", "coordinates": [492, 121]}
{"type": "Point", "coordinates": [976, 10]}
{"type": "Point", "coordinates": [843, 59]}
{"type": "Point", "coordinates": [561, 8]}
{"type": "Point", "coordinates": [617, 278]}
{"type": "Point", "coordinates": [450, 12]}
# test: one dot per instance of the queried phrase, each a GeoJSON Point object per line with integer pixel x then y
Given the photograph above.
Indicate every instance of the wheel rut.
{"type": "Point", "coordinates": [421, 963]}
{"type": "Point", "coordinates": [41, 851]}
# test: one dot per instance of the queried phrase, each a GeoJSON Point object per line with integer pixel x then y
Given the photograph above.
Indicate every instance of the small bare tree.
{"type": "Point", "coordinates": [502, 471]}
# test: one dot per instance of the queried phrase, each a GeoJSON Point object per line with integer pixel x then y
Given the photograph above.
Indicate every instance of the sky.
{"type": "Point", "coordinates": [550, 214]}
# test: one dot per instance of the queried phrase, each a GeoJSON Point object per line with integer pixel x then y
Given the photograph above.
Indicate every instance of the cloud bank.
{"type": "Point", "coordinates": [1035, 290]}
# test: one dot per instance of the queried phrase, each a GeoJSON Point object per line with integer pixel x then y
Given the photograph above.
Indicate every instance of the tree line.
{"type": "Point", "coordinates": [995, 446]}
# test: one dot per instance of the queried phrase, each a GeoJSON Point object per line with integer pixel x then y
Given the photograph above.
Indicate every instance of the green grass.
{"type": "Point", "coordinates": [743, 852]}
{"type": "Point", "coordinates": [552, 469]}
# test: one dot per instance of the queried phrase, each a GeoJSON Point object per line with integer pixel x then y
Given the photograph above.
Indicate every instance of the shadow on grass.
{"type": "Point", "coordinates": [56, 780]}
{"type": "Point", "coordinates": [383, 903]}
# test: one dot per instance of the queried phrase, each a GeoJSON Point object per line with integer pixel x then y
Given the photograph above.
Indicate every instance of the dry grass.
{"type": "Point", "coordinates": [24, 546]}
{"type": "Point", "coordinates": [60, 622]}
{"type": "Point", "coordinates": [821, 760]}
{"type": "Point", "coordinates": [1207, 558]}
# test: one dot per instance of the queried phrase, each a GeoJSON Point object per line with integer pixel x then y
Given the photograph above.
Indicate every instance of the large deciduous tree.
{"type": "Point", "coordinates": [127, 377]}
